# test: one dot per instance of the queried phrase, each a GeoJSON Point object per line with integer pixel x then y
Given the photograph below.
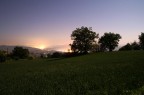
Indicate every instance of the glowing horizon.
{"type": "Point", "coordinates": [49, 23]}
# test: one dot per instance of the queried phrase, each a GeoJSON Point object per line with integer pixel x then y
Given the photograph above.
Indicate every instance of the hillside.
{"type": "Point", "coordinates": [115, 73]}
{"type": "Point", "coordinates": [31, 49]}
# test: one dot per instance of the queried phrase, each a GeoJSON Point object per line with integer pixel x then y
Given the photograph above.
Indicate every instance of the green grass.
{"type": "Point", "coordinates": [115, 73]}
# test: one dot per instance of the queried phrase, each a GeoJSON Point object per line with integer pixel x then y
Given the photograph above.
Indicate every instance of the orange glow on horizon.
{"type": "Point", "coordinates": [39, 43]}
{"type": "Point", "coordinates": [41, 47]}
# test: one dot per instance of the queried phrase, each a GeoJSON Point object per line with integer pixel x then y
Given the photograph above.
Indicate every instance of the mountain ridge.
{"type": "Point", "coordinates": [9, 48]}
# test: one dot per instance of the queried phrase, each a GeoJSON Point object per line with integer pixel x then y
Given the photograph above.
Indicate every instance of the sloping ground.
{"type": "Point", "coordinates": [116, 73]}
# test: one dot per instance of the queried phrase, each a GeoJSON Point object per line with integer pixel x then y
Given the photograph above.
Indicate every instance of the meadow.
{"type": "Point", "coordinates": [114, 73]}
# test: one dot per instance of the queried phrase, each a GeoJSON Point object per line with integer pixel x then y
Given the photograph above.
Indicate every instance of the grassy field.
{"type": "Point", "coordinates": [115, 73]}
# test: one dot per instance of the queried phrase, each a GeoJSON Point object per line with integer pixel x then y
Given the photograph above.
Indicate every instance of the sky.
{"type": "Point", "coordinates": [49, 23]}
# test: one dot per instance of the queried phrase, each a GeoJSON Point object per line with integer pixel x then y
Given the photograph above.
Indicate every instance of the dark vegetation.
{"type": "Point", "coordinates": [109, 41]}
{"type": "Point", "coordinates": [135, 45]}
{"type": "Point", "coordinates": [2, 56]}
{"type": "Point", "coordinates": [20, 53]}
{"type": "Point", "coordinates": [141, 39]}
{"type": "Point", "coordinates": [16, 54]}
{"type": "Point", "coordinates": [115, 73]}
{"type": "Point", "coordinates": [132, 46]}
{"type": "Point", "coordinates": [64, 54]}
{"type": "Point", "coordinates": [83, 40]}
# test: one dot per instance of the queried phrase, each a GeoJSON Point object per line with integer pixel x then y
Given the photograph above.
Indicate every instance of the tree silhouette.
{"type": "Point", "coordinates": [109, 41]}
{"type": "Point", "coordinates": [20, 52]}
{"type": "Point", "coordinates": [83, 39]}
{"type": "Point", "coordinates": [135, 46]}
{"type": "Point", "coordinates": [141, 40]}
{"type": "Point", "coordinates": [2, 56]}
{"type": "Point", "coordinates": [126, 47]}
{"type": "Point", "coordinates": [132, 46]}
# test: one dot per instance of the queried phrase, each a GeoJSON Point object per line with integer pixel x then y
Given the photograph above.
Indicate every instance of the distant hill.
{"type": "Point", "coordinates": [31, 49]}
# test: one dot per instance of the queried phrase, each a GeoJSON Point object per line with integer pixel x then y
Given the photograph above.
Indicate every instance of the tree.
{"type": "Point", "coordinates": [20, 52]}
{"type": "Point", "coordinates": [56, 55]}
{"type": "Point", "coordinates": [135, 46]}
{"type": "Point", "coordinates": [141, 40]}
{"type": "Point", "coordinates": [2, 56]}
{"type": "Point", "coordinates": [126, 47]}
{"type": "Point", "coordinates": [83, 39]}
{"type": "Point", "coordinates": [109, 41]}
{"type": "Point", "coordinates": [95, 48]}
{"type": "Point", "coordinates": [132, 46]}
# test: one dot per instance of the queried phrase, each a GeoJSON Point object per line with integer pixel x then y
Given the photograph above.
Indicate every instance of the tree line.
{"type": "Point", "coordinates": [17, 53]}
{"type": "Point", "coordinates": [135, 45]}
{"type": "Point", "coordinates": [85, 40]}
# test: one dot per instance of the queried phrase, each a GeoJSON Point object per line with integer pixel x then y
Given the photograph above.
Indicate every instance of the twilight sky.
{"type": "Point", "coordinates": [49, 23]}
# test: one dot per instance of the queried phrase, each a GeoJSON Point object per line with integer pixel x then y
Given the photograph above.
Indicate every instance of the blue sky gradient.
{"type": "Point", "coordinates": [49, 23]}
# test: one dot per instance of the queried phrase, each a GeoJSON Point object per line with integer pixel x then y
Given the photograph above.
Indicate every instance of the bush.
{"type": "Point", "coordinates": [126, 47]}
{"type": "Point", "coordinates": [20, 53]}
{"type": "Point", "coordinates": [132, 46]}
{"type": "Point", "coordinates": [56, 55]}
{"type": "Point", "coordinates": [30, 57]}
{"type": "Point", "coordinates": [2, 57]}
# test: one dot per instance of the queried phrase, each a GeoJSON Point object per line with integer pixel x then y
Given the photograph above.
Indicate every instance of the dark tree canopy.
{"type": "Point", "coordinates": [132, 46]}
{"type": "Point", "coordinates": [141, 40]}
{"type": "Point", "coordinates": [2, 56]}
{"type": "Point", "coordinates": [126, 47]}
{"type": "Point", "coordinates": [109, 41]}
{"type": "Point", "coordinates": [83, 39]}
{"type": "Point", "coordinates": [20, 52]}
{"type": "Point", "coordinates": [135, 46]}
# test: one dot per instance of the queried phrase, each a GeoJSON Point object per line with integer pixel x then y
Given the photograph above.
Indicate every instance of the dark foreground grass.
{"type": "Point", "coordinates": [116, 73]}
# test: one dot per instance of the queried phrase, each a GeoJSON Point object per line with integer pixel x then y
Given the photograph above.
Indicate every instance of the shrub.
{"type": "Point", "coordinates": [20, 53]}
{"type": "Point", "coordinates": [2, 56]}
{"type": "Point", "coordinates": [56, 55]}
